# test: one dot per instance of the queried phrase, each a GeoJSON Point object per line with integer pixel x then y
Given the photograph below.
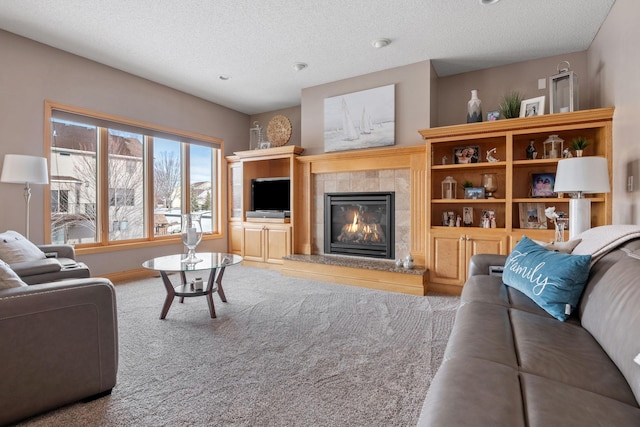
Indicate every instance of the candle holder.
{"type": "Point", "coordinates": [191, 233]}
{"type": "Point", "coordinates": [490, 184]}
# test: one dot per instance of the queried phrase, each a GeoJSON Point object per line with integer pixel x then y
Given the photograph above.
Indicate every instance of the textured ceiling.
{"type": "Point", "coordinates": [187, 44]}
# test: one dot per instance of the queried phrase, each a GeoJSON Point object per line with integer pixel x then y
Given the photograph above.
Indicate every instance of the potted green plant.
{"type": "Point", "coordinates": [579, 144]}
{"type": "Point", "coordinates": [467, 184]}
{"type": "Point", "coordinates": [510, 105]}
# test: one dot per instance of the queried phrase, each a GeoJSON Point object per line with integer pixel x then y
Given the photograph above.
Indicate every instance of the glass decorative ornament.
{"type": "Point", "coordinates": [191, 233]}
{"type": "Point", "coordinates": [449, 188]}
{"type": "Point", "coordinates": [490, 184]}
{"type": "Point", "coordinates": [563, 90]}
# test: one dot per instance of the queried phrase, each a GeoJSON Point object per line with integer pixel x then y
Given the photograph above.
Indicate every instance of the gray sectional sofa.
{"type": "Point", "coordinates": [509, 363]}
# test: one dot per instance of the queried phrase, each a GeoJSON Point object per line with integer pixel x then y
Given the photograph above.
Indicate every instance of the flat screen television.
{"type": "Point", "coordinates": [270, 194]}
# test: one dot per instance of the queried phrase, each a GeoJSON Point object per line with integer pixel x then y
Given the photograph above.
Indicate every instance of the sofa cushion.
{"type": "Point", "coordinates": [473, 392]}
{"type": "Point", "coordinates": [611, 314]}
{"type": "Point", "coordinates": [495, 343]}
{"type": "Point", "coordinates": [566, 353]}
{"type": "Point", "coordinates": [8, 278]}
{"type": "Point", "coordinates": [16, 248]}
{"type": "Point", "coordinates": [553, 403]}
{"type": "Point", "coordinates": [553, 280]}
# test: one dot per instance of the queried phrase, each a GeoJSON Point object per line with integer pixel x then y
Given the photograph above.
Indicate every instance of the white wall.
{"type": "Point", "coordinates": [614, 61]}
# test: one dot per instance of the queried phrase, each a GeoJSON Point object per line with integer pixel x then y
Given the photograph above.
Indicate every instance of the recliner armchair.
{"type": "Point", "coordinates": [59, 264]}
{"type": "Point", "coordinates": [58, 340]}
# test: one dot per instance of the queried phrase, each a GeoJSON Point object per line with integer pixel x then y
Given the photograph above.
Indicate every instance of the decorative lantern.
{"type": "Point", "coordinates": [449, 188]}
{"type": "Point", "coordinates": [553, 147]}
{"type": "Point", "coordinates": [256, 136]}
{"type": "Point", "coordinates": [563, 90]}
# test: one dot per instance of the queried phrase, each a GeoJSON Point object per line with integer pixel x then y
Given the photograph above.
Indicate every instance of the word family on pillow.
{"type": "Point", "coordinates": [553, 280]}
{"type": "Point", "coordinates": [14, 247]}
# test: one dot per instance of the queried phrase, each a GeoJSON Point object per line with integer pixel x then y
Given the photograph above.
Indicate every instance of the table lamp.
{"type": "Point", "coordinates": [20, 169]}
{"type": "Point", "coordinates": [581, 175]}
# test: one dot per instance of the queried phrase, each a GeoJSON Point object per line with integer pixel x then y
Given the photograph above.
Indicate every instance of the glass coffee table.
{"type": "Point", "coordinates": [215, 262]}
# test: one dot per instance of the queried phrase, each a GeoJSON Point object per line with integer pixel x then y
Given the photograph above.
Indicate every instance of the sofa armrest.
{"type": "Point", "coordinates": [58, 251]}
{"type": "Point", "coordinates": [479, 264]}
{"type": "Point", "coordinates": [59, 340]}
{"type": "Point", "coordinates": [41, 266]}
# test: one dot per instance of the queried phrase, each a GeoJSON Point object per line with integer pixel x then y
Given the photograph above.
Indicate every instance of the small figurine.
{"type": "Point", "coordinates": [490, 158]}
{"type": "Point", "coordinates": [458, 221]}
{"type": "Point", "coordinates": [444, 160]}
{"type": "Point", "coordinates": [566, 154]}
{"type": "Point", "coordinates": [408, 262]}
{"type": "Point", "coordinates": [531, 150]}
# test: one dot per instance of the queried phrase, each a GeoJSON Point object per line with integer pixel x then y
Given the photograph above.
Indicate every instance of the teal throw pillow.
{"type": "Point", "coordinates": [553, 280]}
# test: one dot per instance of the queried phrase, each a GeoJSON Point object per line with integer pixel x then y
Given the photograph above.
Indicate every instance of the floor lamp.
{"type": "Point", "coordinates": [581, 175]}
{"type": "Point", "coordinates": [20, 169]}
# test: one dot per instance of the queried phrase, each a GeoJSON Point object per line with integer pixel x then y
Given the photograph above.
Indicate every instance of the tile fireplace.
{"type": "Point", "coordinates": [360, 224]}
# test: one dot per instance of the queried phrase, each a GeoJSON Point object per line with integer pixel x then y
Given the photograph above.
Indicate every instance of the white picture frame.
{"type": "Point", "coordinates": [532, 107]}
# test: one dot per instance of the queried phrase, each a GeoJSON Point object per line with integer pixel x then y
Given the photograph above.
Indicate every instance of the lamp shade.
{"type": "Point", "coordinates": [582, 175]}
{"type": "Point", "coordinates": [21, 169]}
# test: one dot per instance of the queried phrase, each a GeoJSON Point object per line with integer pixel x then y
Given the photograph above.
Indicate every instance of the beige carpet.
{"type": "Point", "coordinates": [282, 352]}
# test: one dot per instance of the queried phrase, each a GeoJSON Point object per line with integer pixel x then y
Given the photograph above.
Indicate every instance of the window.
{"type": "Point", "coordinates": [59, 201]}
{"type": "Point", "coordinates": [115, 181]}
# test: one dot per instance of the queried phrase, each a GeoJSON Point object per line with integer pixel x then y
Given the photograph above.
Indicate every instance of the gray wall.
{"type": "Point", "coordinates": [293, 114]}
{"type": "Point", "coordinates": [32, 73]}
{"type": "Point", "coordinates": [613, 71]}
{"type": "Point", "coordinates": [412, 103]}
{"type": "Point", "coordinates": [493, 83]}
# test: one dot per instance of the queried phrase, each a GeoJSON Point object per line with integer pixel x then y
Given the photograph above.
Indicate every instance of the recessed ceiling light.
{"type": "Point", "coordinates": [378, 43]}
{"type": "Point", "coordinates": [488, 2]}
{"type": "Point", "coordinates": [224, 77]}
{"type": "Point", "coordinates": [299, 66]}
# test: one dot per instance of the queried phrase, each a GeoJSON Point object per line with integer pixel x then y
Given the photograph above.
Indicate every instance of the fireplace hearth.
{"type": "Point", "coordinates": [359, 224]}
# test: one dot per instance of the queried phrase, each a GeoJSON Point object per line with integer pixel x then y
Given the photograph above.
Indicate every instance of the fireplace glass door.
{"type": "Point", "coordinates": [359, 224]}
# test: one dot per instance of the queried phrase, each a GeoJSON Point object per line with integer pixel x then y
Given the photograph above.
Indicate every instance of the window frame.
{"type": "Point", "coordinates": [103, 193]}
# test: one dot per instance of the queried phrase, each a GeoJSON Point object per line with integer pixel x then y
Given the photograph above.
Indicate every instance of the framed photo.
{"type": "Point", "coordinates": [467, 216]}
{"type": "Point", "coordinates": [468, 154]}
{"type": "Point", "coordinates": [488, 219]}
{"type": "Point", "coordinates": [493, 116]}
{"type": "Point", "coordinates": [265, 145]}
{"type": "Point", "coordinates": [532, 216]}
{"type": "Point", "coordinates": [532, 107]}
{"type": "Point", "coordinates": [474, 193]}
{"type": "Point", "coordinates": [542, 185]}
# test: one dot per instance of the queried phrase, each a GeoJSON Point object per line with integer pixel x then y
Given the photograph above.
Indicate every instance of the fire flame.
{"type": "Point", "coordinates": [360, 231]}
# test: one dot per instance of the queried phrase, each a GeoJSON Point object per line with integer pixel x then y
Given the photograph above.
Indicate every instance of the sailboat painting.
{"type": "Point", "coordinates": [357, 120]}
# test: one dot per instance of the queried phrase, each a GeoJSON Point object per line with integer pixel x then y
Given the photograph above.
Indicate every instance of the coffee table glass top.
{"type": "Point", "coordinates": [210, 260]}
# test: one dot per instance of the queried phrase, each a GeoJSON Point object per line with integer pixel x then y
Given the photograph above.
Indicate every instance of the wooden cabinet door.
{"type": "Point", "coordinates": [447, 259]}
{"type": "Point", "coordinates": [235, 238]}
{"type": "Point", "coordinates": [253, 243]}
{"type": "Point", "coordinates": [278, 244]}
{"type": "Point", "coordinates": [485, 244]}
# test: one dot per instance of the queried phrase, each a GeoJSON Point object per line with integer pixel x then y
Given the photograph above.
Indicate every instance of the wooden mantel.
{"type": "Point", "coordinates": [412, 158]}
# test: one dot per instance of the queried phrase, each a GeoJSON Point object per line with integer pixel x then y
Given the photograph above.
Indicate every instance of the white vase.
{"type": "Point", "coordinates": [474, 108]}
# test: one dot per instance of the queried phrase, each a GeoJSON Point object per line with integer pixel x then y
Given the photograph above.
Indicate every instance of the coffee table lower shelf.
{"type": "Point", "coordinates": [214, 284]}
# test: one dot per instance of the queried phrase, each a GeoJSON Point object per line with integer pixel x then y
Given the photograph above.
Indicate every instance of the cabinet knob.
{"type": "Point", "coordinates": [469, 238]}
{"type": "Point", "coordinates": [462, 238]}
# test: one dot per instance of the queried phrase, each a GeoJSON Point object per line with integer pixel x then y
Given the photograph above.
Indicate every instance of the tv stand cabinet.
{"type": "Point", "coordinates": [263, 242]}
